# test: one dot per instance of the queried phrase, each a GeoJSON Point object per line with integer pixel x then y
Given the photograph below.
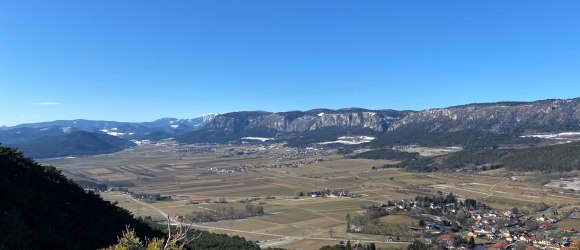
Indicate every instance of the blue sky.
{"type": "Point", "coordinates": [142, 60]}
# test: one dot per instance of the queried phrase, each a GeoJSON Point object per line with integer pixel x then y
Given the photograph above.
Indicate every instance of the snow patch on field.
{"type": "Point", "coordinates": [555, 136]}
{"type": "Point", "coordinates": [262, 139]}
{"type": "Point", "coordinates": [351, 140]}
{"type": "Point", "coordinates": [573, 184]}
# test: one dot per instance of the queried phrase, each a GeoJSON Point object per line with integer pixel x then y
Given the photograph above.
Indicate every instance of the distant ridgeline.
{"type": "Point", "coordinates": [471, 126]}
{"type": "Point", "coordinates": [297, 128]}
{"type": "Point", "coordinates": [485, 125]}
{"type": "Point", "coordinates": [88, 137]}
{"type": "Point", "coordinates": [42, 209]}
{"type": "Point", "coordinates": [74, 144]}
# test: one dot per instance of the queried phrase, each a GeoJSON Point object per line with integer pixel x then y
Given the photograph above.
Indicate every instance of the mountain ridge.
{"type": "Point", "coordinates": [476, 124]}
{"type": "Point", "coordinates": [76, 143]}
{"type": "Point", "coordinates": [236, 125]}
{"type": "Point", "coordinates": [469, 124]}
{"type": "Point", "coordinates": [129, 130]}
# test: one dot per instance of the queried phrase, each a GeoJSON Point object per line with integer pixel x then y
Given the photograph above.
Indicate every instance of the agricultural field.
{"type": "Point", "coordinates": [196, 179]}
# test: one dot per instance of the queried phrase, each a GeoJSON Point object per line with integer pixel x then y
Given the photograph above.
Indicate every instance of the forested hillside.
{"type": "Point", "coordinates": [556, 158]}
{"type": "Point", "coordinates": [74, 144]}
{"type": "Point", "coordinates": [42, 209]}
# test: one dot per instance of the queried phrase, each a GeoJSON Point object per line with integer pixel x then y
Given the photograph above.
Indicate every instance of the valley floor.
{"type": "Point", "coordinates": [199, 177]}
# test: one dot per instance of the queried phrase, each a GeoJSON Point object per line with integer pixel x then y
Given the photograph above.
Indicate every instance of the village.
{"type": "Point", "coordinates": [447, 222]}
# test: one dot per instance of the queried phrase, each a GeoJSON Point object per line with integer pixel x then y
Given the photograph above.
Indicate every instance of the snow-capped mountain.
{"type": "Point", "coordinates": [196, 122]}
{"type": "Point", "coordinates": [128, 130]}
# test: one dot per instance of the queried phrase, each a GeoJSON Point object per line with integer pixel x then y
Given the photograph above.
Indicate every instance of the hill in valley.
{"type": "Point", "coordinates": [554, 158]}
{"type": "Point", "coordinates": [156, 136]}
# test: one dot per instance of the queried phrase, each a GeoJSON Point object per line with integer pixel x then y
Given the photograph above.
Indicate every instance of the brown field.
{"type": "Point", "coordinates": [293, 222]}
{"type": "Point", "coordinates": [400, 219]}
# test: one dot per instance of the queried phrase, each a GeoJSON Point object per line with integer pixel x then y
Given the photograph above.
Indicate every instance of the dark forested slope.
{"type": "Point", "coordinates": [42, 209]}
{"type": "Point", "coordinates": [74, 144]}
{"type": "Point", "coordinates": [555, 158]}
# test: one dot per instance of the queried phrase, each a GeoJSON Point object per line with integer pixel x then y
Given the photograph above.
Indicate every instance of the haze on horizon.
{"type": "Point", "coordinates": [144, 60]}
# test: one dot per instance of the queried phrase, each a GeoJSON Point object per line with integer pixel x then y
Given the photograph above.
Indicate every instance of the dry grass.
{"type": "Point", "coordinates": [400, 219]}
{"type": "Point", "coordinates": [159, 170]}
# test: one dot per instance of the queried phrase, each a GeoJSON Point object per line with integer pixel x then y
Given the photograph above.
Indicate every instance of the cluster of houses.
{"type": "Point", "coordinates": [294, 164]}
{"type": "Point", "coordinates": [195, 149]}
{"type": "Point", "coordinates": [327, 193]}
{"type": "Point", "coordinates": [149, 197]}
{"type": "Point", "coordinates": [443, 217]}
{"type": "Point", "coordinates": [239, 169]}
{"type": "Point", "coordinates": [301, 153]}
{"type": "Point", "coordinates": [486, 225]}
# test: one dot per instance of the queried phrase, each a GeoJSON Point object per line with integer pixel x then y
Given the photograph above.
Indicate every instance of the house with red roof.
{"type": "Point", "coordinates": [568, 229]}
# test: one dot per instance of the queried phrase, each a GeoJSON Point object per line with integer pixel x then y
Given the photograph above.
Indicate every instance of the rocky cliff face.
{"type": "Point", "coordinates": [492, 123]}
{"type": "Point", "coordinates": [500, 118]}
{"type": "Point", "coordinates": [377, 120]}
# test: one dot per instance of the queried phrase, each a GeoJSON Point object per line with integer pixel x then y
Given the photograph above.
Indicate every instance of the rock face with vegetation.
{"type": "Point", "coordinates": [484, 125]}
{"type": "Point", "coordinates": [500, 118]}
{"type": "Point", "coordinates": [472, 125]}
{"type": "Point", "coordinates": [297, 121]}
{"type": "Point", "coordinates": [315, 123]}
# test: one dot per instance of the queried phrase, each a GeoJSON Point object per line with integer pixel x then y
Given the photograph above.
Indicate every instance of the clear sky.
{"type": "Point", "coordinates": [142, 60]}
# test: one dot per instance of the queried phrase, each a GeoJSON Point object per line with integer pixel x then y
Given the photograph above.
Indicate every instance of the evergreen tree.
{"type": "Point", "coordinates": [417, 245]}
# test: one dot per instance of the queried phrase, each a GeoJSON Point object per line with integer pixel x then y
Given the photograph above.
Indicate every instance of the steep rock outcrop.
{"type": "Point", "coordinates": [330, 123]}
{"type": "Point", "coordinates": [499, 118]}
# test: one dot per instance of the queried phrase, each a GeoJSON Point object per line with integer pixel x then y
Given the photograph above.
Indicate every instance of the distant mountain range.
{"type": "Point", "coordinates": [87, 137]}
{"type": "Point", "coordinates": [295, 127]}
{"type": "Point", "coordinates": [484, 125]}
{"type": "Point", "coordinates": [487, 125]}
{"type": "Point", "coordinates": [472, 125]}
{"type": "Point", "coordinates": [127, 130]}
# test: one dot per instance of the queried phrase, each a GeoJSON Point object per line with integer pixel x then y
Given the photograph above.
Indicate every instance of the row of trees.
{"type": "Point", "coordinates": [227, 213]}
